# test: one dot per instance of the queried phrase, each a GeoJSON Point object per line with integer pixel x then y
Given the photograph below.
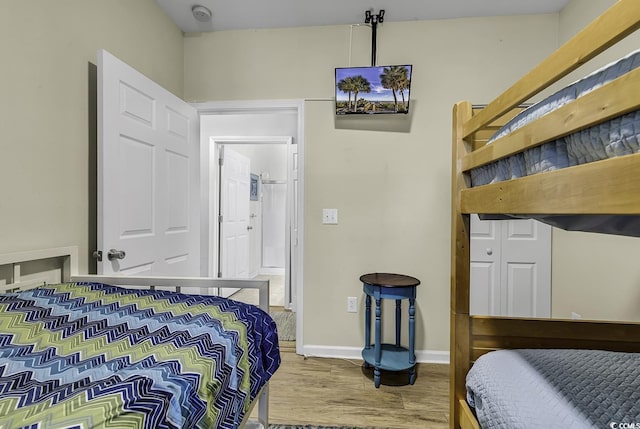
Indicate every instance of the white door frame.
{"type": "Point", "coordinates": [206, 157]}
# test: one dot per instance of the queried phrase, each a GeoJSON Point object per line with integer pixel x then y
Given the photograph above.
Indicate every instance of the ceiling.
{"type": "Point", "coordinates": [252, 14]}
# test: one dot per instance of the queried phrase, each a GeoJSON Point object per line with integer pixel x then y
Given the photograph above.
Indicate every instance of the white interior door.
{"type": "Point", "coordinates": [148, 183]}
{"type": "Point", "coordinates": [234, 211]}
{"type": "Point", "coordinates": [510, 268]}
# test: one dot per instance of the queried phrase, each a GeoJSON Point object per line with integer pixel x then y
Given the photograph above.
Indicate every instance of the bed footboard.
{"type": "Point", "coordinates": [183, 282]}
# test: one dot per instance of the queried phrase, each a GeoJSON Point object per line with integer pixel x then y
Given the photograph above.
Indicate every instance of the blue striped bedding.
{"type": "Point", "coordinates": [93, 355]}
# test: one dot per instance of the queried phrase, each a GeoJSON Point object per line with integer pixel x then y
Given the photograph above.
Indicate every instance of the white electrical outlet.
{"type": "Point", "coordinates": [352, 304]}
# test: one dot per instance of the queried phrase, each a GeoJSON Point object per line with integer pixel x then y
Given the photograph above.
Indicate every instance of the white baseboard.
{"type": "Point", "coordinates": [422, 356]}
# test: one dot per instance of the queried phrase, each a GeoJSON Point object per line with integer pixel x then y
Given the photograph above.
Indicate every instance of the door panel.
{"type": "Point", "coordinates": [485, 293]}
{"type": "Point", "coordinates": [177, 193]}
{"type": "Point", "coordinates": [148, 185]}
{"type": "Point", "coordinates": [485, 267]}
{"type": "Point", "coordinates": [135, 187]}
{"type": "Point", "coordinates": [519, 293]}
{"type": "Point", "coordinates": [526, 262]}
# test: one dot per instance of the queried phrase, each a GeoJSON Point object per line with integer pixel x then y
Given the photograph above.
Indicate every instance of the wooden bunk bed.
{"type": "Point", "coordinates": [129, 327]}
{"type": "Point", "coordinates": [606, 187]}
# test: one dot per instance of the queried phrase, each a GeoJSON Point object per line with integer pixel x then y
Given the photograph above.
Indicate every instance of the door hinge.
{"type": "Point", "coordinates": [220, 219]}
{"type": "Point", "coordinates": [221, 156]}
{"type": "Point", "coordinates": [219, 274]}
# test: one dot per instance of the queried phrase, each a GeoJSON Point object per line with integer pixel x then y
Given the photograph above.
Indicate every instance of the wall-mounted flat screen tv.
{"type": "Point", "coordinates": [373, 90]}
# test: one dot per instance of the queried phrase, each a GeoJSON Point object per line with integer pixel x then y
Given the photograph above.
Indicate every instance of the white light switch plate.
{"type": "Point", "coordinates": [352, 304]}
{"type": "Point", "coordinates": [330, 216]}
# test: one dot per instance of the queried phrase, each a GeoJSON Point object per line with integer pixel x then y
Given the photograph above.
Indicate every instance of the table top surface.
{"type": "Point", "coordinates": [389, 280]}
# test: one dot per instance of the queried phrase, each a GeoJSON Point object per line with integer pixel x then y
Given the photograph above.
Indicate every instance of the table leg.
{"type": "Point", "coordinates": [412, 340]}
{"type": "Point", "coordinates": [378, 344]}
{"type": "Point", "coordinates": [398, 321]}
{"type": "Point", "coordinates": [367, 326]}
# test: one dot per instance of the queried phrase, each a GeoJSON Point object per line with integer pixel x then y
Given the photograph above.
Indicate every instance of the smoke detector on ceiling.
{"type": "Point", "coordinates": [201, 13]}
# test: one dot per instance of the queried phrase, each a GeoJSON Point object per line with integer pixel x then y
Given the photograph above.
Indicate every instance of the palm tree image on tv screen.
{"type": "Point", "coordinates": [371, 90]}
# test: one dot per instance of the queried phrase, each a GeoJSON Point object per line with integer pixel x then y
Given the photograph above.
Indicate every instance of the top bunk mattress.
{"type": "Point", "coordinates": [548, 389]}
{"type": "Point", "coordinates": [615, 137]}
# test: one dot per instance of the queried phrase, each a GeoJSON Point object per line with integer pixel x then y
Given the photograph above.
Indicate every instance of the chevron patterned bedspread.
{"type": "Point", "coordinates": [89, 355]}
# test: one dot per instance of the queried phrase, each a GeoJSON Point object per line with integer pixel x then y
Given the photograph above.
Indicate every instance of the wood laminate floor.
{"type": "Point", "coordinates": [326, 391]}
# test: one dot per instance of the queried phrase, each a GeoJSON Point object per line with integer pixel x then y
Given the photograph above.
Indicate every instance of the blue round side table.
{"type": "Point", "coordinates": [390, 357]}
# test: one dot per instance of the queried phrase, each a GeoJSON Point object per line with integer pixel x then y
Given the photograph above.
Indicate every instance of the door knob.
{"type": "Point", "coordinates": [116, 254]}
{"type": "Point", "coordinates": [489, 251]}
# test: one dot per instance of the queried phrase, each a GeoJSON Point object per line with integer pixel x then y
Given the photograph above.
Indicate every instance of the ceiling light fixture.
{"type": "Point", "coordinates": [201, 13]}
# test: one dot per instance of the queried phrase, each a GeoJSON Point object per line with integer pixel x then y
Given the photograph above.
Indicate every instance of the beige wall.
{"type": "Point", "coordinates": [594, 275]}
{"type": "Point", "coordinates": [389, 177]}
{"type": "Point", "coordinates": [46, 48]}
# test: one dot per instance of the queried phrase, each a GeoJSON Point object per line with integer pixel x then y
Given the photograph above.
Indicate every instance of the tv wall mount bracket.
{"type": "Point", "coordinates": [374, 20]}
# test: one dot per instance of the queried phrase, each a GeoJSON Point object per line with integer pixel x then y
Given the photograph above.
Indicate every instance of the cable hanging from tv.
{"type": "Point", "coordinates": [374, 20]}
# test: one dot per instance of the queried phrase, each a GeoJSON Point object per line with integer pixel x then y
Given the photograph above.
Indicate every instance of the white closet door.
{"type": "Point", "coordinates": [510, 268]}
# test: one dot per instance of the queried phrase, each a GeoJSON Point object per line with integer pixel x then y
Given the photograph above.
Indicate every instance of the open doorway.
{"type": "Point", "coordinates": [252, 195]}
{"type": "Point", "coordinates": [254, 209]}
{"type": "Point", "coordinates": [263, 122]}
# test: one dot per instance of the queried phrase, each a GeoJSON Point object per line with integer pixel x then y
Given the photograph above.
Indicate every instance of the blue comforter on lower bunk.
{"type": "Point", "coordinates": [92, 356]}
{"type": "Point", "coordinates": [547, 389]}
